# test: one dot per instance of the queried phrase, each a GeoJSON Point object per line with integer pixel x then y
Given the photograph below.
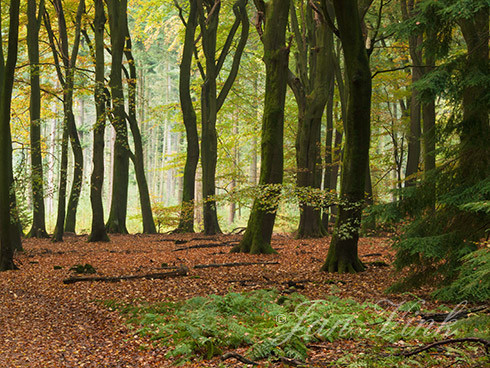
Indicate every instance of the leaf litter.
{"type": "Point", "coordinates": [45, 323]}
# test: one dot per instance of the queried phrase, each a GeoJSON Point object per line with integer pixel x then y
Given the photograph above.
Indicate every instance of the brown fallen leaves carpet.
{"type": "Point", "coordinates": [45, 323]}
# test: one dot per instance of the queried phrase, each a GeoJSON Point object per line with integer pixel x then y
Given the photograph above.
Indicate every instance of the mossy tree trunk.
{"type": "Point", "coordinates": [8, 237]}
{"type": "Point", "coordinates": [311, 87]}
{"type": "Point", "coordinates": [34, 18]}
{"type": "Point", "coordinates": [186, 220]}
{"type": "Point", "coordinates": [117, 12]}
{"type": "Point", "coordinates": [257, 237]}
{"type": "Point", "coordinates": [211, 99]}
{"type": "Point", "coordinates": [342, 254]}
{"type": "Point", "coordinates": [66, 73]}
{"type": "Point", "coordinates": [98, 231]}
{"type": "Point", "coordinates": [138, 156]}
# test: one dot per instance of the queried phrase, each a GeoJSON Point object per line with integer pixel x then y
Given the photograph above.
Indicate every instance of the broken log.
{"type": "Point", "coordinates": [181, 271]}
{"type": "Point", "coordinates": [235, 264]}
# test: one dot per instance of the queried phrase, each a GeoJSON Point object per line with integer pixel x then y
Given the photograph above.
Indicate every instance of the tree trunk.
{"type": "Point", "coordinates": [34, 17]}
{"type": "Point", "coordinates": [257, 237]}
{"type": "Point", "coordinates": [342, 254]}
{"type": "Point", "coordinates": [475, 129]}
{"type": "Point", "coordinates": [328, 152]}
{"type": "Point", "coordinates": [415, 43]}
{"type": "Point", "coordinates": [66, 76]}
{"type": "Point", "coordinates": [186, 221]}
{"type": "Point", "coordinates": [7, 71]}
{"type": "Point", "coordinates": [311, 87]}
{"type": "Point", "coordinates": [139, 165]}
{"type": "Point", "coordinates": [98, 231]}
{"type": "Point", "coordinates": [117, 11]}
{"type": "Point", "coordinates": [211, 101]}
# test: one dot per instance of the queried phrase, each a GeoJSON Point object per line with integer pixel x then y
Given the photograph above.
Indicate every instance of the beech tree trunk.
{"type": "Point", "coordinates": [311, 87]}
{"type": "Point", "coordinates": [66, 74]}
{"type": "Point", "coordinates": [186, 220]}
{"type": "Point", "coordinates": [98, 231]}
{"type": "Point", "coordinates": [34, 18]}
{"type": "Point", "coordinates": [7, 71]}
{"type": "Point", "coordinates": [211, 100]}
{"type": "Point", "coordinates": [117, 11]}
{"type": "Point", "coordinates": [257, 237]}
{"type": "Point", "coordinates": [138, 156]}
{"type": "Point", "coordinates": [342, 254]}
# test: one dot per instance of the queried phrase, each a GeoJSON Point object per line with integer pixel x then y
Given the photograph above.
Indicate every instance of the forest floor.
{"type": "Point", "coordinates": [46, 323]}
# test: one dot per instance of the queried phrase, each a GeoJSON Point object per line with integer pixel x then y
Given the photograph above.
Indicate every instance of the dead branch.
{"type": "Point", "coordinates": [207, 245]}
{"type": "Point", "coordinates": [486, 343]}
{"type": "Point", "coordinates": [451, 316]}
{"type": "Point", "coordinates": [235, 264]}
{"type": "Point", "coordinates": [238, 357]}
{"type": "Point", "coordinates": [181, 271]}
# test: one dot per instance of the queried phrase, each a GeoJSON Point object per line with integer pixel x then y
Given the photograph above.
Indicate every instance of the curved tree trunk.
{"type": "Point", "coordinates": [117, 11]}
{"type": "Point", "coordinates": [186, 221]}
{"type": "Point", "coordinates": [138, 157]}
{"type": "Point", "coordinates": [211, 101]}
{"type": "Point", "coordinates": [34, 17]}
{"type": "Point", "coordinates": [7, 70]}
{"type": "Point", "coordinates": [98, 231]}
{"type": "Point", "coordinates": [257, 237]}
{"type": "Point", "coordinates": [66, 79]}
{"type": "Point", "coordinates": [342, 254]}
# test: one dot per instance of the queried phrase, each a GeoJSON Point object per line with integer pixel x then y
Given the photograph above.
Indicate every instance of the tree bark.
{"type": "Point", "coordinates": [117, 11]}
{"type": "Point", "coordinates": [66, 79]}
{"type": "Point", "coordinates": [475, 130]}
{"type": "Point", "coordinates": [311, 87]}
{"type": "Point", "coordinates": [342, 254]}
{"type": "Point", "coordinates": [138, 157]}
{"type": "Point", "coordinates": [257, 237]}
{"type": "Point", "coordinates": [98, 232]}
{"type": "Point", "coordinates": [186, 221]}
{"type": "Point", "coordinates": [34, 18]}
{"type": "Point", "coordinates": [211, 100]}
{"type": "Point", "coordinates": [7, 71]}
{"type": "Point", "coordinates": [413, 154]}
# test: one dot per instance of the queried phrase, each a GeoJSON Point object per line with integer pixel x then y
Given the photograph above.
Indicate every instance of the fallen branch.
{"type": "Point", "coordinates": [290, 362]}
{"type": "Point", "coordinates": [486, 343]}
{"type": "Point", "coordinates": [206, 245]}
{"type": "Point", "coordinates": [235, 264]}
{"type": "Point", "coordinates": [451, 316]}
{"type": "Point", "coordinates": [238, 357]}
{"type": "Point", "coordinates": [181, 271]}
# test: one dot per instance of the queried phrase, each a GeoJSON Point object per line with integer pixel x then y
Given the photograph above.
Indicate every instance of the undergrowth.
{"type": "Point", "coordinates": [272, 325]}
